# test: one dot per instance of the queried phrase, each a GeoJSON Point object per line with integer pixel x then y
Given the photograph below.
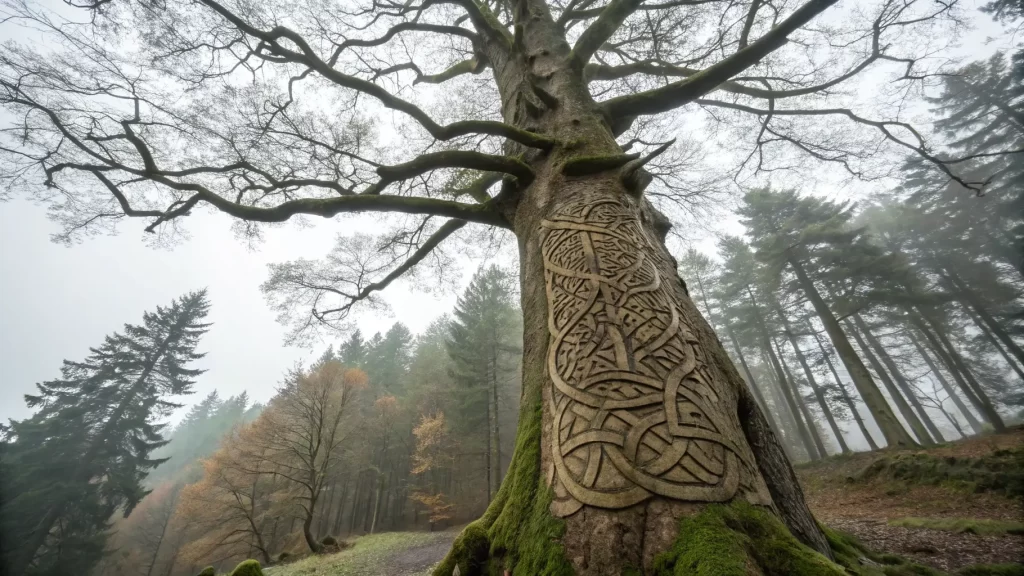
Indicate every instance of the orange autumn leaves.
{"type": "Point", "coordinates": [260, 490]}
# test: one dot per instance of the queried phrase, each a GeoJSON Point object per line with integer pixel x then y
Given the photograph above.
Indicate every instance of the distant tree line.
{"type": "Point", "coordinates": [901, 315]}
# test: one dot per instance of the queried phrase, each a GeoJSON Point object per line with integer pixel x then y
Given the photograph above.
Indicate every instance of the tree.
{"type": "Point", "coordinates": [268, 111]}
{"type": "Point", "coordinates": [85, 453]}
{"type": "Point", "coordinates": [226, 511]}
{"type": "Point", "coordinates": [807, 236]}
{"type": "Point", "coordinates": [485, 349]}
{"type": "Point", "coordinates": [302, 434]}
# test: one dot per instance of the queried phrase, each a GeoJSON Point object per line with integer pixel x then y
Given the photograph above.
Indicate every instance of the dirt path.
{"type": "Point", "coordinates": [418, 560]}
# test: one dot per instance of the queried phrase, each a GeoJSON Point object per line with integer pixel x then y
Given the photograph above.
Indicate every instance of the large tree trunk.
{"type": "Point", "coordinates": [892, 430]}
{"type": "Point", "coordinates": [632, 416]}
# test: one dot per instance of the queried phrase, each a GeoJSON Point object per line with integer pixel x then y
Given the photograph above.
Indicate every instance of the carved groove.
{"type": "Point", "coordinates": [633, 412]}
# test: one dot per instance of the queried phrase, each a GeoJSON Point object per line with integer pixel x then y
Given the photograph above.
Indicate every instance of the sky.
{"type": "Point", "coordinates": [57, 301]}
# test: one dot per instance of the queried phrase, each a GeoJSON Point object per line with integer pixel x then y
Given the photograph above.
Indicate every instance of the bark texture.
{"type": "Point", "coordinates": [631, 409]}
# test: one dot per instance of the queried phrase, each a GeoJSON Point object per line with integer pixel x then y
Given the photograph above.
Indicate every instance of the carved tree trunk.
{"type": "Point", "coordinates": [632, 415]}
{"type": "Point", "coordinates": [640, 406]}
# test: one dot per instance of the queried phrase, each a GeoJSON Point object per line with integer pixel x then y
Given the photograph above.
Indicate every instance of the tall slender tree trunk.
{"type": "Point", "coordinates": [739, 353]}
{"type": "Point", "coordinates": [897, 398]}
{"type": "Point", "coordinates": [494, 397]}
{"type": "Point", "coordinates": [854, 412]}
{"type": "Point", "coordinates": [793, 390]}
{"type": "Point", "coordinates": [819, 395]}
{"type": "Point", "coordinates": [892, 430]}
{"type": "Point", "coordinates": [897, 376]}
{"type": "Point", "coordinates": [993, 340]}
{"type": "Point", "coordinates": [967, 414]}
{"type": "Point", "coordinates": [163, 534]}
{"type": "Point", "coordinates": [754, 388]}
{"type": "Point", "coordinates": [945, 348]}
{"type": "Point", "coordinates": [489, 452]}
{"type": "Point", "coordinates": [782, 380]}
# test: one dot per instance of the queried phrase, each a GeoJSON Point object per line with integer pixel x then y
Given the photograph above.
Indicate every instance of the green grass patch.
{"type": "Point", "coordinates": [367, 556]}
{"type": "Point", "coordinates": [1001, 472]}
{"type": "Point", "coordinates": [962, 525]}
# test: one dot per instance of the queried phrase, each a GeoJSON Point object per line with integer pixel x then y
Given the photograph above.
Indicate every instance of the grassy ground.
{"type": "Point", "coordinates": [390, 553]}
{"type": "Point", "coordinates": [949, 506]}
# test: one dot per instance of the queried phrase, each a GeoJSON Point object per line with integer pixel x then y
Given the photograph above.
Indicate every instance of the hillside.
{"type": "Point", "coordinates": [948, 507]}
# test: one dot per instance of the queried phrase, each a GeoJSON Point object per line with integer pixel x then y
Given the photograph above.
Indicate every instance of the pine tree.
{"type": "Point", "coordinates": [810, 238]}
{"type": "Point", "coordinates": [484, 348]}
{"type": "Point", "coordinates": [84, 454]}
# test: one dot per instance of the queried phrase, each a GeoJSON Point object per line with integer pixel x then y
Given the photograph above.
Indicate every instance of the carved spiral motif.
{"type": "Point", "coordinates": [633, 414]}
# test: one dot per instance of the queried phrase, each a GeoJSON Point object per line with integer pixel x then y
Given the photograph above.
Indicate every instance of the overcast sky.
{"type": "Point", "coordinates": [57, 301]}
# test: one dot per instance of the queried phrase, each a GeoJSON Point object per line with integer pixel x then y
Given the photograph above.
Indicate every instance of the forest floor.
{"type": "Point", "coordinates": [946, 524]}
{"type": "Point", "coordinates": [388, 553]}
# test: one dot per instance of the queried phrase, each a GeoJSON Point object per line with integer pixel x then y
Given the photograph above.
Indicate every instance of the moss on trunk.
{"type": "Point", "coordinates": [517, 532]}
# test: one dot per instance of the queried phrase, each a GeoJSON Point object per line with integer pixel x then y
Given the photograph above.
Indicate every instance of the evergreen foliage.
{"type": "Point", "coordinates": [84, 454]}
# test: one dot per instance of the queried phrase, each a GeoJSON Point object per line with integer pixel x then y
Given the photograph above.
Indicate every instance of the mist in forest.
{"type": "Point", "coordinates": [645, 288]}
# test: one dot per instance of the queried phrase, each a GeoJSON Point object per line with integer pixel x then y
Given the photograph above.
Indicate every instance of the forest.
{"type": "Point", "coordinates": [738, 287]}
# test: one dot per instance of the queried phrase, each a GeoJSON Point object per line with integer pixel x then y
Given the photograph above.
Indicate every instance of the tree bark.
{"type": "Point", "coordinates": [892, 430]}
{"type": "Point", "coordinates": [968, 415]}
{"type": "Point", "coordinates": [818, 393]}
{"type": "Point", "coordinates": [625, 386]}
{"type": "Point", "coordinates": [901, 383]}
{"type": "Point", "coordinates": [846, 395]}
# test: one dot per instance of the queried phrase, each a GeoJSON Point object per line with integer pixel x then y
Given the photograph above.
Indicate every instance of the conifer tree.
{"type": "Point", "coordinates": [484, 346]}
{"type": "Point", "coordinates": [807, 237]}
{"type": "Point", "coordinates": [84, 454]}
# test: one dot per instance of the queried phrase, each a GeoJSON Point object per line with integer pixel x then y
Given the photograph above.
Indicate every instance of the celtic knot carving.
{"type": "Point", "coordinates": [632, 411]}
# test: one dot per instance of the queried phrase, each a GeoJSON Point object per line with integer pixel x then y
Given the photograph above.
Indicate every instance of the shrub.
{"type": "Point", "coordinates": [208, 571]}
{"type": "Point", "coordinates": [248, 568]}
{"type": "Point", "coordinates": [329, 541]}
{"type": "Point", "coordinates": [283, 556]}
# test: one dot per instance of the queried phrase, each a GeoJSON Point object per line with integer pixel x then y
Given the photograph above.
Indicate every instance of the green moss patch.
{"type": "Point", "coordinates": [961, 525]}
{"type": "Point", "coordinates": [522, 535]}
{"type": "Point", "coordinates": [739, 539]}
{"type": "Point", "coordinates": [1001, 471]}
{"type": "Point", "coordinates": [248, 568]}
{"type": "Point", "coordinates": [208, 571]}
{"type": "Point", "coordinates": [861, 561]}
